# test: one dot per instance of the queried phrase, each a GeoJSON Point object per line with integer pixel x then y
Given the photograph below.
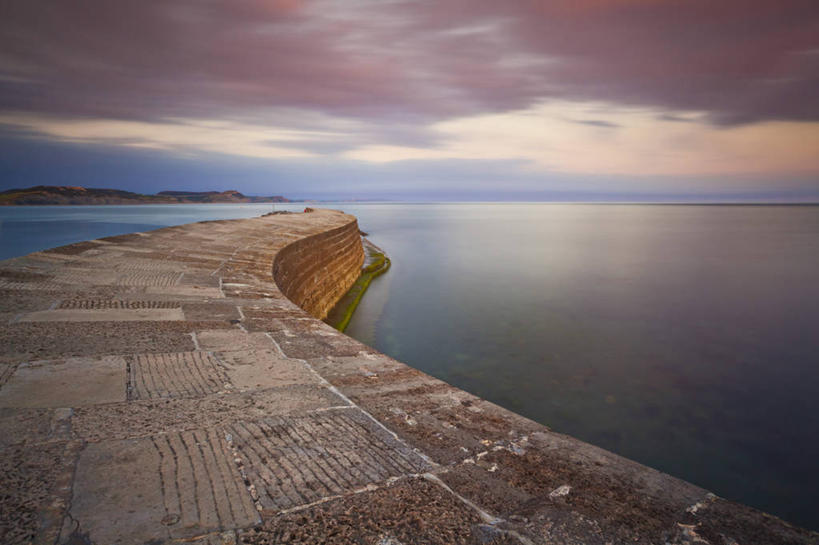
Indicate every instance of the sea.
{"type": "Point", "coordinates": [685, 337]}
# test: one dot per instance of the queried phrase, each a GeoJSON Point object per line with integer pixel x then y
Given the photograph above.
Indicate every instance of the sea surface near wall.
{"type": "Point", "coordinates": [678, 336]}
{"type": "Point", "coordinates": [26, 229]}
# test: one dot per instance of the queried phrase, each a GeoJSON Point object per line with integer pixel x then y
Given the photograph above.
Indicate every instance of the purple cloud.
{"type": "Point", "coordinates": [408, 63]}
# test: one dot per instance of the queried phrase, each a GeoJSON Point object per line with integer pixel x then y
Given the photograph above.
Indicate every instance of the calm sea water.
{"type": "Point", "coordinates": [26, 229]}
{"type": "Point", "coordinates": [684, 337]}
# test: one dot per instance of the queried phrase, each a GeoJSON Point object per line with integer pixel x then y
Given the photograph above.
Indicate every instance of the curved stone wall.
{"type": "Point", "coordinates": [316, 271]}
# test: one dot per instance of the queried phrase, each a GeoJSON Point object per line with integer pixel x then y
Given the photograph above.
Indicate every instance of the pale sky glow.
{"type": "Point", "coordinates": [691, 94]}
{"type": "Point", "coordinates": [576, 138]}
{"type": "Point", "coordinates": [188, 137]}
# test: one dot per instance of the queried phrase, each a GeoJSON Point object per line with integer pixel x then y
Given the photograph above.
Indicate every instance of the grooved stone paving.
{"type": "Point", "coordinates": [174, 375]}
{"type": "Point", "coordinates": [200, 462]}
{"type": "Point", "coordinates": [5, 372]}
{"type": "Point", "coordinates": [173, 485]}
{"type": "Point", "coordinates": [175, 387]}
{"type": "Point", "coordinates": [297, 461]}
{"type": "Point", "coordinates": [149, 265]}
{"type": "Point", "coordinates": [149, 279]}
{"type": "Point", "coordinates": [98, 304]}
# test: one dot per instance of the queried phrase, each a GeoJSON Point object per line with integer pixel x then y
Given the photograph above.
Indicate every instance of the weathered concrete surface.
{"type": "Point", "coordinates": [161, 388]}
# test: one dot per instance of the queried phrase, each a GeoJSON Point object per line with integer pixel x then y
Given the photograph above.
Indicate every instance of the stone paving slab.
{"type": "Point", "coordinates": [34, 340]}
{"type": "Point", "coordinates": [71, 382]}
{"type": "Point", "coordinates": [211, 310]}
{"type": "Point", "coordinates": [413, 510]}
{"type": "Point", "coordinates": [105, 315]}
{"type": "Point", "coordinates": [176, 485]}
{"type": "Point", "coordinates": [89, 276]}
{"type": "Point", "coordinates": [185, 291]}
{"type": "Point", "coordinates": [200, 280]}
{"type": "Point", "coordinates": [152, 279]}
{"type": "Point", "coordinates": [6, 370]}
{"type": "Point", "coordinates": [35, 286]}
{"type": "Point", "coordinates": [14, 303]}
{"type": "Point", "coordinates": [34, 426]}
{"type": "Point", "coordinates": [293, 461]}
{"type": "Point", "coordinates": [135, 264]}
{"type": "Point", "coordinates": [261, 368]}
{"type": "Point", "coordinates": [151, 416]}
{"type": "Point", "coordinates": [35, 488]}
{"type": "Point", "coordinates": [109, 304]}
{"type": "Point", "coordinates": [232, 339]}
{"type": "Point", "coordinates": [306, 345]}
{"type": "Point", "coordinates": [179, 374]}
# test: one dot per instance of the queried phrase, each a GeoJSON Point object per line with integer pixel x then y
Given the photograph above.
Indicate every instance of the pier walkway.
{"type": "Point", "coordinates": [176, 386]}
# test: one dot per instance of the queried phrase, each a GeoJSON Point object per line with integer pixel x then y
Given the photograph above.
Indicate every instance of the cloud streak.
{"type": "Point", "coordinates": [738, 61]}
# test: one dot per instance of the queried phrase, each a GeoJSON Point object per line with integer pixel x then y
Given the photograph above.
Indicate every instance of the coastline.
{"type": "Point", "coordinates": [79, 195]}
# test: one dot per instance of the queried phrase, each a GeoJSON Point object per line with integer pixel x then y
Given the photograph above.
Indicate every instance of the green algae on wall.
{"type": "Point", "coordinates": [377, 263]}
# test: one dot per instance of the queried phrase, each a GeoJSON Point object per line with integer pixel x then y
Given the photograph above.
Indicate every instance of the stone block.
{"type": "Point", "coordinates": [294, 461]}
{"type": "Point", "coordinates": [257, 369]}
{"type": "Point", "coordinates": [186, 291]}
{"type": "Point", "coordinates": [70, 382]}
{"type": "Point", "coordinates": [152, 489]}
{"type": "Point", "coordinates": [232, 339]}
{"type": "Point", "coordinates": [211, 311]}
{"type": "Point", "coordinates": [153, 416]}
{"type": "Point", "coordinates": [413, 510]}
{"type": "Point", "coordinates": [179, 374]}
{"type": "Point", "coordinates": [105, 315]}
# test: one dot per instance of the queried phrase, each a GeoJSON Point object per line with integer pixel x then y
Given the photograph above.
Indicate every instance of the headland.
{"type": "Point", "coordinates": [78, 195]}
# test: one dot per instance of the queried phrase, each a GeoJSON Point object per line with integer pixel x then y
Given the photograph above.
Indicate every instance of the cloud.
{"type": "Point", "coordinates": [597, 123]}
{"type": "Point", "coordinates": [548, 139]}
{"type": "Point", "coordinates": [182, 136]}
{"type": "Point", "coordinates": [739, 61]}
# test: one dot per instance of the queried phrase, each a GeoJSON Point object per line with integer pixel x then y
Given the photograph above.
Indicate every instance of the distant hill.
{"type": "Point", "coordinates": [56, 194]}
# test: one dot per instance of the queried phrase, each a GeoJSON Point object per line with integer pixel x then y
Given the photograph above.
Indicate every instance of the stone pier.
{"type": "Point", "coordinates": [176, 386]}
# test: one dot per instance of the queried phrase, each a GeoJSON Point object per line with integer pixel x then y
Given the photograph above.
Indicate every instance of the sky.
{"type": "Point", "coordinates": [578, 100]}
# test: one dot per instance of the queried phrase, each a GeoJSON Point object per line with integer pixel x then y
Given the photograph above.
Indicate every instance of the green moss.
{"type": "Point", "coordinates": [342, 313]}
{"type": "Point", "coordinates": [378, 263]}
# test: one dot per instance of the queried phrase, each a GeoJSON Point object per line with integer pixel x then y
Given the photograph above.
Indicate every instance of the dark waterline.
{"type": "Point", "coordinates": [679, 336]}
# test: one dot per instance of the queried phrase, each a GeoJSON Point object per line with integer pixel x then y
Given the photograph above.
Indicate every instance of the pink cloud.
{"type": "Point", "coordinates": [739, 61]}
